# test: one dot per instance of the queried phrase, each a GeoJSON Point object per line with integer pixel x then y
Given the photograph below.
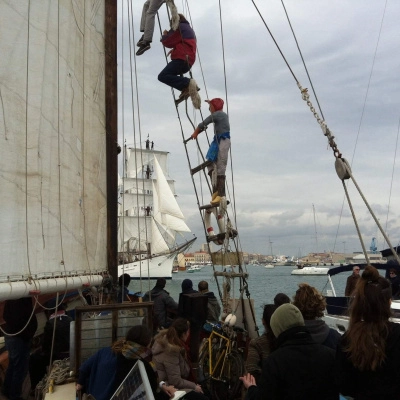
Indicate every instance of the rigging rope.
{"type": "Point", "coordinates": [326, 131]}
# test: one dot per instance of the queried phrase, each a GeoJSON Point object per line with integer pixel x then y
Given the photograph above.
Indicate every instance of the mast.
{"type": "Point", "coordinates": [110, 51]}
{"type": "Point", "coordinates": [315, 229]}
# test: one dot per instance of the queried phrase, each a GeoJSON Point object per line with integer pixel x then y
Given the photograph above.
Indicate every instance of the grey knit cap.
{"type": "Point", "coordinates": [285, 317]}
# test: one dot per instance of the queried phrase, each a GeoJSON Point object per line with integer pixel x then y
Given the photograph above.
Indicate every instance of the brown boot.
{"type": "Point", "coordinates": [215, 199]}
{"type": "Point", "coordinates": [221, 185]}
{"type": "Point", "coordinates": [220, 190]}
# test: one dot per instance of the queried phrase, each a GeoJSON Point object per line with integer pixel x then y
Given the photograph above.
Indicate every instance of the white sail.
{"type": "Point", "coordinates": [151, 213]}
{"type": "Point", "coordinates": [52, 152]}
{"type": "Point", "coordinates": [167, 202]}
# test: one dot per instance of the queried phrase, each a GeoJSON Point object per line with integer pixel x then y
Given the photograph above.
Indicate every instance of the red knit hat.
{"type": "Point", "coordinates": [217, 103]}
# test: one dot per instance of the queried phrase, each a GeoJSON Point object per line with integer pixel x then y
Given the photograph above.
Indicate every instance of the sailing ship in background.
{"type": "Point", "coordinates": [149, 216]}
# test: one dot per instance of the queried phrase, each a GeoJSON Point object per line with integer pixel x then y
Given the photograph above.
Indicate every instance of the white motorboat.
{"type": "Point", "coordinates": [269, 266]}
{"type": "Point", "coordinates": [310, 271]}
{"type": "Point", "coordinates": [194, 268]}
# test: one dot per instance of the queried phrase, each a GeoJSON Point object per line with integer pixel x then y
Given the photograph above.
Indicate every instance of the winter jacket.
{"type": "Point", "coordinates": [298, 369]}
{"type": "Point", "coordinates": [322, 334]}
{"type": "Point", "coordinates": [97, 374]}
{"type": "Point", "coordinates": [214, 308]}
{"type": "Point", "coordinates": [61, 336]}
{"type": "Point", "coordinates": [259, 349]}
{"type": "Point", "coordinates": [163, 303]}
{"type": "Point", "coordinates": [382, 384]}
{"type": "Point", "coordinates": [182, 42]}
{"type": "Point", "coordinates": [16, 314]}
{"type": "Point", "coordinates": [171, 363]}
{"type": "Point", "coordinates": [351, 283]}
{"type": "Point", "coordinates": [181, 309]}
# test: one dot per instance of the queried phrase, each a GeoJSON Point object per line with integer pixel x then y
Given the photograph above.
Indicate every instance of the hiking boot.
{"type": "Point", "coordinates": [144, 47]}
{"type": "Point", "coordinates": [185, 93]}
{"type": "Point", "coordinates": [215, 200]}
{"type": "Point", "coordinates": [140, 42]}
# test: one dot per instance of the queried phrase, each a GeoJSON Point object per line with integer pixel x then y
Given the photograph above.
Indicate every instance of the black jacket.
{"type": "Point", "coordinates": [163, 303]}
{"type": "Point", "coordinates": [298, 369]}
{"type": "Point", "coordinates": [382, 384]}
{"type": "Point", "coordinates": [16, 315]}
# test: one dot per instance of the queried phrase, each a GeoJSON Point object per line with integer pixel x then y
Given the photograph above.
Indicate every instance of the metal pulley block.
{"type": "Point", "coordinates": [343, 169]}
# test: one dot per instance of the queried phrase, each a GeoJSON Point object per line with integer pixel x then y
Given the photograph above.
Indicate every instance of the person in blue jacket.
{"type": "Point", "coordinates": [102, 373]}
{"type": "Point", "coordinates": [219, 148]}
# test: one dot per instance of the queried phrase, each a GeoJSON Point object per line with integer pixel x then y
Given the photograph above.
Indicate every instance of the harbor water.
{"type": "Point", "coordinates": [263, 283]}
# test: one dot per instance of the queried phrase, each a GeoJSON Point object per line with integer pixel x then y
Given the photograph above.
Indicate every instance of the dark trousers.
{"type": "Point", "coordinates": [18, 361]}
{"type": "Point", "coordinates": [170, 75]}
{"type": "Point", "coordinates": [38, 363]}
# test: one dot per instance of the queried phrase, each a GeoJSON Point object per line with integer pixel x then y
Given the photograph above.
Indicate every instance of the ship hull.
{"type": "Point", "coordinates": [152, 268]}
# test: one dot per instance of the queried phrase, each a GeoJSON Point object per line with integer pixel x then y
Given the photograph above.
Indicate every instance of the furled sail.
{"type": "Point", "coordinates": [53, 203]}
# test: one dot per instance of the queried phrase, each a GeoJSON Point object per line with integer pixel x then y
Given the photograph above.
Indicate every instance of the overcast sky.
{"type": "Point", "coordinates": [281, 164]}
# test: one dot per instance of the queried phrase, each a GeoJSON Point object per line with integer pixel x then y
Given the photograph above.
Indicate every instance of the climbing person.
{"type": "Point", "coordinates": [219, 148]}
{"type": "Point", "coordinates": [152, 145]}
{"type": "Point", "coordinates": [182, 41]}
{"type": "Point", "coordinates": [147, 144]}
{"type": "Point", "coordinates": [149, 11]}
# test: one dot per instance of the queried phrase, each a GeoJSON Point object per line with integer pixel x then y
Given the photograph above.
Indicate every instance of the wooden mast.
{"type": "Point", "coordinates": [111, 88]}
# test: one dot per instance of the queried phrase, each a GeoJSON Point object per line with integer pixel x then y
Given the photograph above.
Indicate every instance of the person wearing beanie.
{"type": "Point", "coordinates": [187, 288]}
{"type": "Point", "coordinates": [219, 148]}
{"type": "Point", "coordinates": [163, 304]}
{"type": "Point", "coordinates": [298, 368]}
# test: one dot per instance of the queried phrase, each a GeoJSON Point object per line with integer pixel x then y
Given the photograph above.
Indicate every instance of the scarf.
{"type": "Point", "coordinates": [132, 350]}
{"type": "Point", "coordinates": [191, 377]}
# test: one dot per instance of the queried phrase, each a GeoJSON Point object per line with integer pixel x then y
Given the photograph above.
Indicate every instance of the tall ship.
{"type": "Point", "coordinates": [149, 217]}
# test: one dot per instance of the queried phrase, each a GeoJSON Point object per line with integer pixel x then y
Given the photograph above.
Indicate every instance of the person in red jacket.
{"type": "Point", "coordinates": [182, 43]}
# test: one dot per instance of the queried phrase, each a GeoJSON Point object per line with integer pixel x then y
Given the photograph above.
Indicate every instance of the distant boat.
{"type": "Point", "coordinates": [175, 270]}
{"type": "Point", "coordinates": [269, 266]}
{"type": "Point", "coordinates": [194, 268]}
{"type": "Point", "coordinates": [149, 217]}
{"type": "Point", "coordinates": [310, 271]}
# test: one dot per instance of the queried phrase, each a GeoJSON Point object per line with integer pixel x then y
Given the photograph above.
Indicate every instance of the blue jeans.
{"type": "Point", "coordinates": [18, 363]}
{"type": "Point", "coordinates": [170, 75]}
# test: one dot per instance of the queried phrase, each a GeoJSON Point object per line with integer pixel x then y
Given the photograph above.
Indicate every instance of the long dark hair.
{"type": "Point", "coordinates": [175, 332]}
{"type": "Point", "coordinates": [369, 321]}
{"type": "Point", "coordinates": [139, 334]}
{"type": "Point", "coordinates": [269, 309]}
